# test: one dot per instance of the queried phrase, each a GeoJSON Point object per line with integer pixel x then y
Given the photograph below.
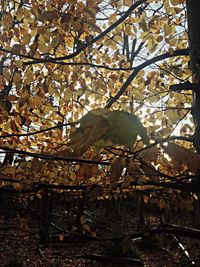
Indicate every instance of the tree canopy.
{"type": "Point", "coordinates": [95, 92]}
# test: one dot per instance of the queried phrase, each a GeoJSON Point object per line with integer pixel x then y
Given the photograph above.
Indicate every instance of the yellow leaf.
{"type": "Point", "coordinates": [73, 176]}
{"type": "Point", "coordinates": [172, 115]}
{"type": "Point", "coordinates": [68, 94]}
{"type": "Point", "coordinates": [168, 30]}
{"type": "Point", "coordinates": [176, 2]}
{"type": "Point", "coordinates": [43, 47]}
{"type": "Point", "coordinates": [9, 170]}
{"type": "Point", "coordinates": [29, 76]}
{"type": "Point", "coordinates": [20, 13]}
{"type": "Point", "coordinates": [55, 41]}
{"type": "Point", "coordinates": [18, 63]}
{"type": "Point", "coordinates": [35, 11]}
{"type": "Point", "coordinates": [144, 35]}
{"type": "Point", "coordinates": [112, 18]}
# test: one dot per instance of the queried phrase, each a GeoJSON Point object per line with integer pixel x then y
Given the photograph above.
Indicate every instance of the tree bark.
{"type": "Point", "coordinates": [193, 8]}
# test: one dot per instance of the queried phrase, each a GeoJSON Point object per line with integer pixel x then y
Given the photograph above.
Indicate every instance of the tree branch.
{"type": "Point", "coordinates": [182, 186]}
{"type": "Point", "coordinates": [94, 40]}
{"type": "Point", "coordinates": [87, 64]}
{"type": "Point", "coordinates": [52, 157]}
{"type": "Point", "coordinates": [59, 126]}
{"type": "Point", "coordinates": [180, 52]}
{"type": "Point", "coordinates": [184, 87]}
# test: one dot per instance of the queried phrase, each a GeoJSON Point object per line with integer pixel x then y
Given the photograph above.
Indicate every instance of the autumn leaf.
{"type": "Point", "coordinates": [92, 128]}
{"type": "Point", "coordinates": [119, 127]}
{"type": "Point", "coordinates": [59, 60]}
{"type": "Point", "coordinates": [48, 16]}
{"type": "Point", "coordinates": [124, 128]}
{"type": "Point", "coordinates": [7, 20]}
{"type": "Point", "coordinates": [128, 2]}
{"type": "Point", "coordinates": [150, 171]}
{"type": "Point", "coordinates": [150, 154]}
{"type": "Point", "coordinates": [134, 170]}
{"type": "Point", "coordinates": [86, 171]}
{"type": "Point", "coordinates": [116, 168]}
{"type": "Point", "coordinates": [35, 101]}
{"type": "Point", "coordinates": [183, 156]}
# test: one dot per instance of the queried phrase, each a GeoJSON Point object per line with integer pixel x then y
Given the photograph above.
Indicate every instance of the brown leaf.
{"type": "Point", "coordinates": [116, 168]}
{"type": "Point", "coordinates": [37, 164]}
{"type": "Point", "coordinates": [66, 18]}
{"type": "Point", "coordinates": [150, 154]}
{"type": "Point", "coordinates": [134, 170]}
{"type": "Point", "coordinates": [86, 171]}
{"type": "Point", "coordinates": [12, 97]}
{"type": "Point", "coordinates": [92, 132]}
{"type": "Point", "coordinates": [150, 171]}
{"type": "Point", "coordinates": [183, 156]}
{"type": "Point", "coordinates": [48, 16]}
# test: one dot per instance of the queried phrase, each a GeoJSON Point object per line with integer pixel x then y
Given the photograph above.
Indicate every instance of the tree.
{"type": "Point", "coordinates": [123, 63]}
{"type": "Point", "coordinates": [194, 38]}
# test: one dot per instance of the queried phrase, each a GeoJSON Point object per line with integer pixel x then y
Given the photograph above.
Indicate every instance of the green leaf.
{"type": "Point", "coordinates": [124, 128]}
{"type": "Point", "coordinates": [119, 127]}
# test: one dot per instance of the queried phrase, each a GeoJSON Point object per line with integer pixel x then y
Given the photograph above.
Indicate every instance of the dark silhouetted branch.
{"type": "Point", "coordinates": [58, 126]}
{"type": "Point", "coordinates": [184, 87]}
{"type": "Point", "coordinates": [181, 52]}
{"type": "Point", "coordinates": [95, 39]}
{"type": "Point", "coordinates": [53, 157]}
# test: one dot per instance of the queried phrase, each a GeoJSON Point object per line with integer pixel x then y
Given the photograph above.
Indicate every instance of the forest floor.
{"type": "Point", "coordinates": [21, 247]}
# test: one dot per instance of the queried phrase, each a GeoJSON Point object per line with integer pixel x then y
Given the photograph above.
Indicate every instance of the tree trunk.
{"type": "Point", "coordinates": [193, 8]}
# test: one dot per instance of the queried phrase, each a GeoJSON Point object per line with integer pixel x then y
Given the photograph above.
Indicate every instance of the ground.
{"type": "Point", "coordinates": [20, 238]}
{"type": "Point", "coordinates": [21, 247]}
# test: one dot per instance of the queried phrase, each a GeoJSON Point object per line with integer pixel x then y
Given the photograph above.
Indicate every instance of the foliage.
{"type": "Point", "coordinates": [118, 127]}
{"type": "Point", "coordinates": [107, 66]}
